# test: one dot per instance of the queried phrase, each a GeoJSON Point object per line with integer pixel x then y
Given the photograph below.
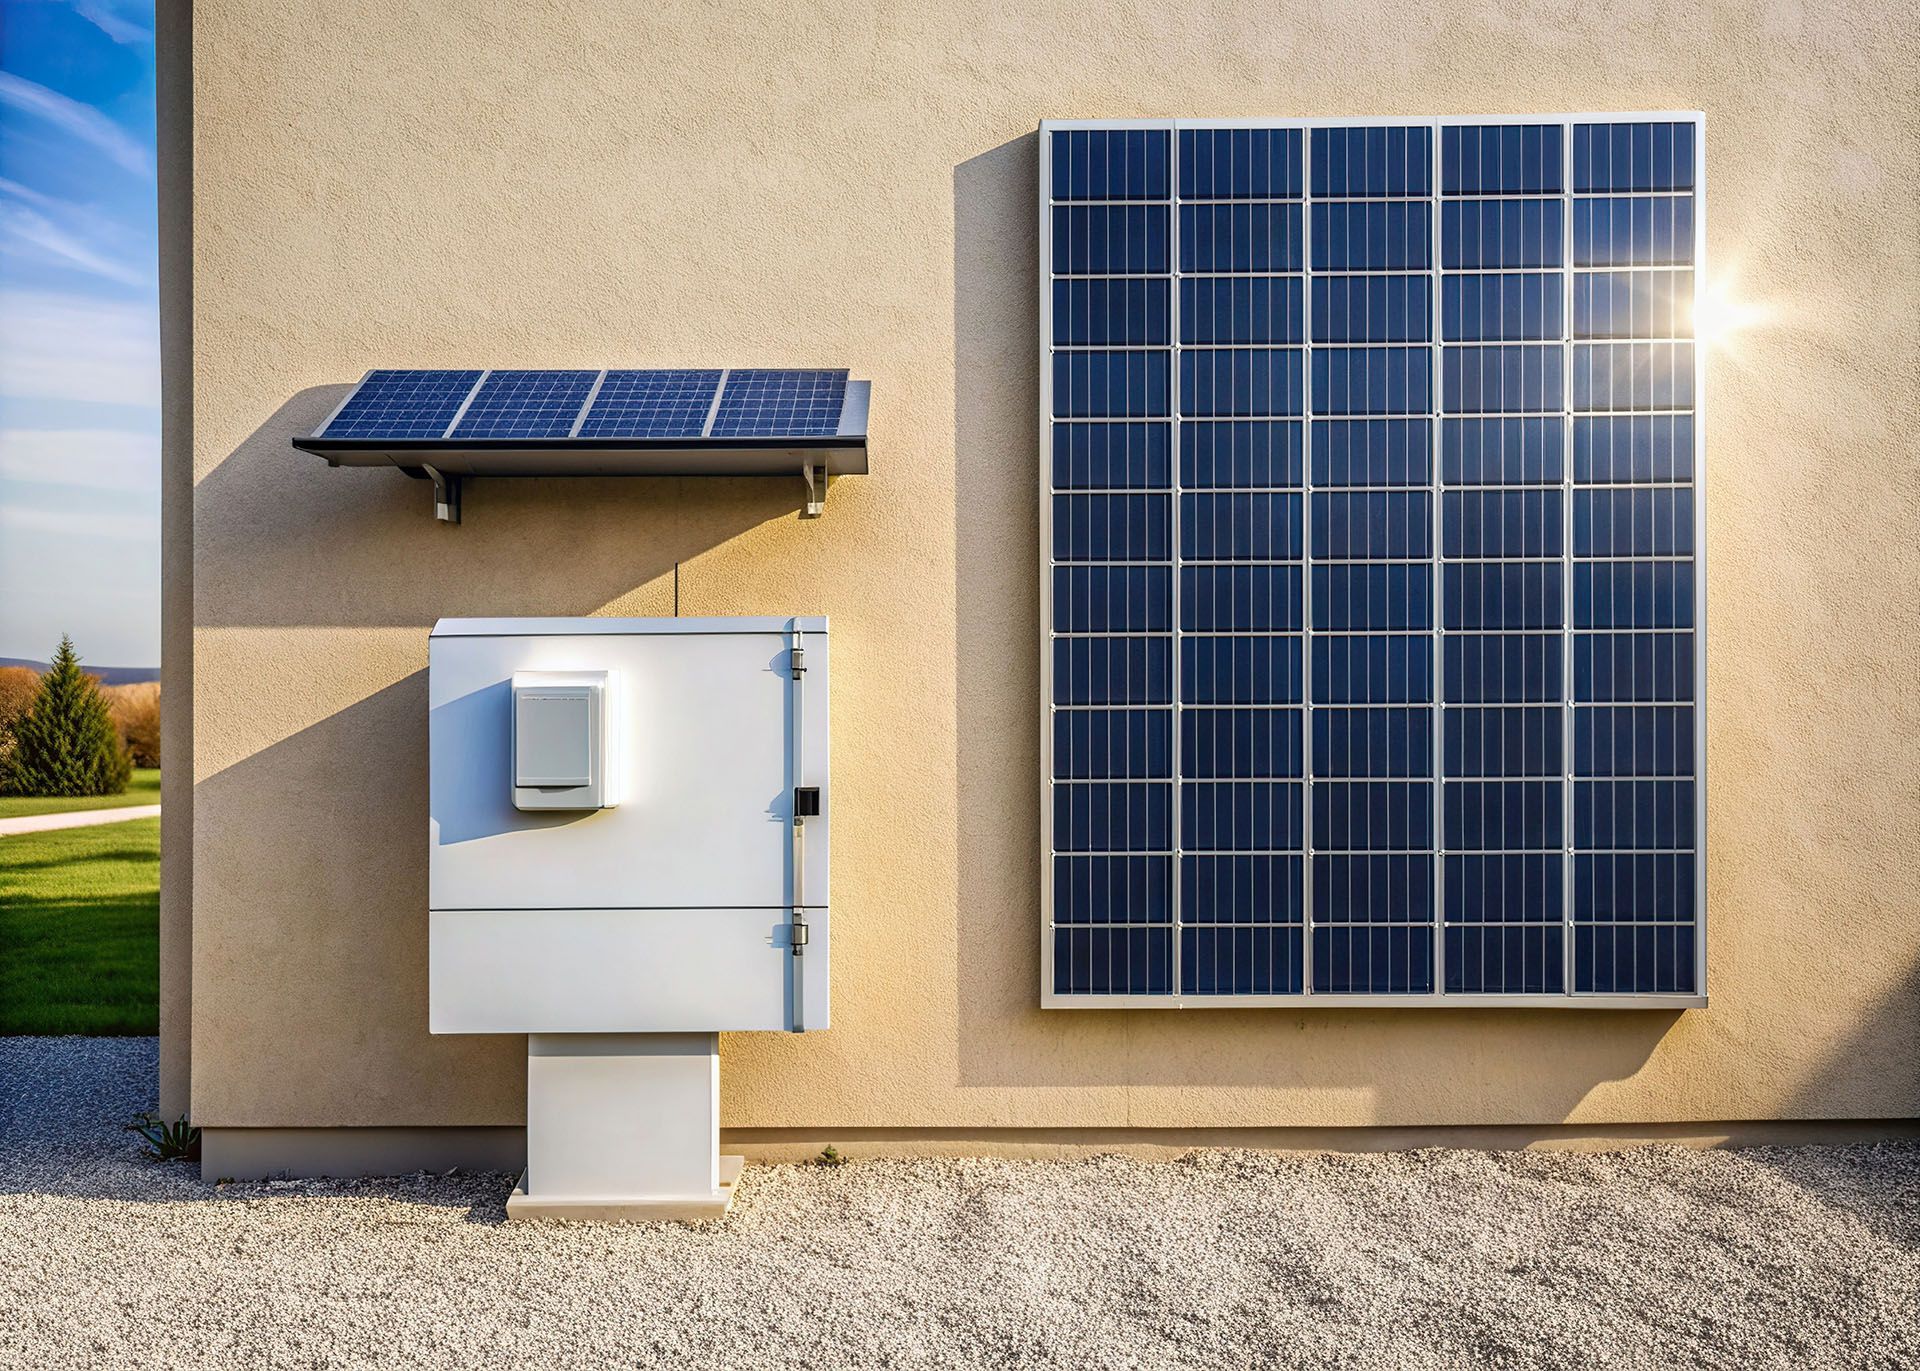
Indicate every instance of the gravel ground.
{"type": "Point", "coordinates": [1656, 1257]}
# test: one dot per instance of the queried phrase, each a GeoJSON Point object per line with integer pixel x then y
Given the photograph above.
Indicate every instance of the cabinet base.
{"type": "Point", "coordinates": [634, 1209]}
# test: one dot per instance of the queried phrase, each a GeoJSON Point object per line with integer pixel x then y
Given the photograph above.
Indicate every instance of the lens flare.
{"type": "Point", "coordinates": [1721, 316]}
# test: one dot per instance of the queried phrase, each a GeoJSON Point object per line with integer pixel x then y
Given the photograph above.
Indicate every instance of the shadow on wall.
{"type": "Point", "coordinates": [1878, 1056]}
{"type": "Point", "coordinates": [322, 835]}
{"type": "Point", "coordinates": [329, 849]}
{"type": "Point", "coordinates": [1375, 1065]}
{"type": "Point", "coordinates": [282, 539]}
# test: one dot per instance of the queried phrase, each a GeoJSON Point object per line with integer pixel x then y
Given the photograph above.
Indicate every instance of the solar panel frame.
{"type": "Point", "coordinates": [1566, 420]}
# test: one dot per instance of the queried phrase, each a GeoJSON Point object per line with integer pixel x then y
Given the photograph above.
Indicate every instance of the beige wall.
{"type": "Point", "coordinates": [574, 184]}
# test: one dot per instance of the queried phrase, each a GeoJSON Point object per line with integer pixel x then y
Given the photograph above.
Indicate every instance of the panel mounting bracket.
{"type": "Point", "coordinates": [816, 502]}
{"type": "Point", "coordinates": [446, 494]}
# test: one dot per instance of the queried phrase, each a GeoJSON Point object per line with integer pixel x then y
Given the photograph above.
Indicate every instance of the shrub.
{"type": "Point", "coordinates": [66, 744]}
{"type": "Point", "coordinates": [136, 713]}
{"type": "Point", "coordinates": [18, 686]}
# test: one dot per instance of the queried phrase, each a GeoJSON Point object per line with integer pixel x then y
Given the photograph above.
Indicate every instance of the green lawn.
{"type": "Point", "coordinates": [80, 930]}
{"type": "Point", "coordinates": [143, 789]}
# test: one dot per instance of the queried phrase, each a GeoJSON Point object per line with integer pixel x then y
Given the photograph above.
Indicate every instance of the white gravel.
{"type": "Point", "coordinates": [1656, 1257]}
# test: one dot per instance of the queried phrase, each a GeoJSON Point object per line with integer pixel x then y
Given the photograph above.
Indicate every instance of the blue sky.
{"type": "Point", "coordinates": [79, 346]}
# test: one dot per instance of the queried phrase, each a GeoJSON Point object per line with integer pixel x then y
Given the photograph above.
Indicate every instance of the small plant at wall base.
{"type": "Point", "coordinates": [167, 1142]}
{"type": "Point", "coordinates": [66, 742]}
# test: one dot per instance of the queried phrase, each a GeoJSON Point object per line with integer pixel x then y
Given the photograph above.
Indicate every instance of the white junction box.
{"type": "Point", "coordinates": [628, 835]}
{"type": "Point", "coordinates": [562, 739]}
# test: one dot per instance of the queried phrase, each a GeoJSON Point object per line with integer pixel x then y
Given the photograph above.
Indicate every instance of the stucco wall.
{"type": "Point", "coordinates": [577, 184]}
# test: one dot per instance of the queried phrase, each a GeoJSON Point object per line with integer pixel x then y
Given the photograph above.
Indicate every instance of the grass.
{"type": "Point", "coordinates": [143, 789]}
{"type": "Point", "coordinates": [80, 930]}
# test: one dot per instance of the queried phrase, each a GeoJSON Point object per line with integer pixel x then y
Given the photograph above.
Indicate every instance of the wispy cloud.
{"type": "Point", "coordinates": [76, 347]}
{"type": "Point", "coordinates": [33, 234]}
{"type": "Point", "coordinates": [114, 21]}
{"type": "Point", "coordinates": [79, 121]}
{"type": "Point", "coordinates": [92, 458]}
{"type": "Point", "coordinates": [80, 523]}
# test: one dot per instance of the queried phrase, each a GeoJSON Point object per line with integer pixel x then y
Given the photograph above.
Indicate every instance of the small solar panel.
{"type": "Point", "coordinates": [1369, 619]}
{"type": "Point", "coordinates": [403, 404]}
{"type": "Point", "coordinates": [526, 404]}
{"type": "Point", "coordinates": [780, 403]}
{"type": "Point", "coordinates": [651, 404]}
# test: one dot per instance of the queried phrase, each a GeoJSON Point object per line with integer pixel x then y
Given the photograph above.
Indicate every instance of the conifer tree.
{"type": "Point", "coordinates": [66, 744]}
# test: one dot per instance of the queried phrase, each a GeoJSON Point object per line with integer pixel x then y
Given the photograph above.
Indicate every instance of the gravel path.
{"type": "Point", "coordinates": [1657, 1257]}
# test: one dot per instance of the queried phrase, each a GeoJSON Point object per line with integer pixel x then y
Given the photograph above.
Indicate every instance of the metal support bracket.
{"type": "Point", "coordinates": [446, 495]}
{"type": "Point", "coordinates": [816, 503]}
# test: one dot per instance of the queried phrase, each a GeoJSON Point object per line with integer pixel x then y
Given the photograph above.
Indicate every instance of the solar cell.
{"type": "Point", "coordinates": [525, 404]}
{"type": "Point", "coordinates": [402, 404]}
{"type": "Point", "coordinates": [759, 403]}
{"type": "Point", "coordinates": [668, 403]}
{"type": "Point", "coordinates": [1369, 481]}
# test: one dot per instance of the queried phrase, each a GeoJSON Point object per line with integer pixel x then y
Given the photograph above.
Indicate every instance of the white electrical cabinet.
{"type": "Point", "coordinates": [666, 905]}
{"type": "Point", "coordinates": [628, 835]}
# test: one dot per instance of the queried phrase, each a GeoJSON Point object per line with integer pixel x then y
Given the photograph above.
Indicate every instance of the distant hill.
{"type": "Point", "coordinates": [109, 675]}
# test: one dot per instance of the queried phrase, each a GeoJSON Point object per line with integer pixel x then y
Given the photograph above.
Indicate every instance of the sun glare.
{"type": "Point", "coordinates": [1721, 316]}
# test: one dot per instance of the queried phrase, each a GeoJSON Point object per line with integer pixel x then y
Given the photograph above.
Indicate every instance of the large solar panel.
{"type": "Point", "coordinates": [1372, 543]}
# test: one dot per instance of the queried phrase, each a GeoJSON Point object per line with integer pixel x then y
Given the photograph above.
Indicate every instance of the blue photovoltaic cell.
{"type": "Point", "coordinates": [1632, 156]}
{"type": "Point", "coordinates": [1503, 305]}
{"type": "Point", "coordinates": [1373, 161]}
{"type": "Point", "coordinates": [1500, 159]}
{"type": "Point", "coordinates": [1372, 452]}
{"type": "Point", "coordinates": [1370, 488]}
{"type": "Point", "coordinates": [1633, 304]}
{"type": "Point", "coordinates": [651, 404]}
{"type": "Point", "coordinates": [403, 404]}
{"type": "Point", "coordinates": [1646, 230]}
{"type": "Point", "coordinates": [526, 404]}
{"type": "Point", "coordinates": [1109, 240]}
{"type": "Point", "coordinates": [1102, 164]}
{"type": "Point", "coordinates": [1240, 237]}
{"type": "Point", "coordinates": [1110, 312]}
{"type": "Point", "coordinates": [780, 404]}
{"type": "Point", "coordinates": [1233, 453]}
{"type": "Point", "coordinates": [1372, 669]}
{"type": "Point", "coordinates": [1239, 164]}
{"type": "Point", "coordinates": [1501, 233]}
{"type": "Point", "coordinates": [1127, 744]}
{"type": "Point", "coordinates": [1112, 889]}
{"type": "Point", "coordinates": [1240, 599]}
{"type": "Point", "coordinates": [1361, 236]}
{"type": "Point", "coordinates": [1110, 384]}
{"type": "Point", "coordinates": [1371, 309]}
{"type": "Point", "coordinates": [1502, 451]}
{"type": "Point", "coordinates": [1237, 309]}
{"type": "Point", "coordinates": [1101, 456]}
